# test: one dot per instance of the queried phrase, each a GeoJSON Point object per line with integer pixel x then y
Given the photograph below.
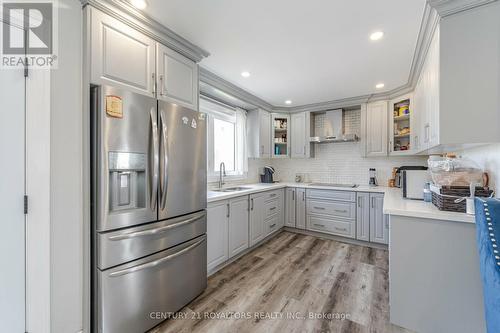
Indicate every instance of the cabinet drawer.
{"type": "Point", "coordinates": [340, 209]}
{"type": "Point", "coordinates": [271, 225]}
{"type": "Point", "coordinates": [271, 195]}
{"type": "Point", "coordinates": [331, 194]}
{"type": "Point", "coordinates": [271, 208]}
{"type": "Point", "coordinates": [339, 227]}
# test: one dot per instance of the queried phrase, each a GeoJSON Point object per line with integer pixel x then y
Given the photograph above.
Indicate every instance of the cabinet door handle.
{"type": "Point", "coordinates": [319, 225]}
{"type": "Point", "coordinates": [293, 195]}
{"type": "Point", "coordinates": [304, 196]}
{"type": "Point", "coordinates": [386, 222]}
{"type": "Point", "coordinates": [162, 85]}
{"type": "Point", "coordinates": [262, 150]}
{"type": "Point", "coordinates": [359, 202]}
{"type": "Point", "coordinates": [154, 83]}
{"type": "Point", "coordinates": [228, 211]}
{"type": "Point", "coordinates": [373, 202]}
{"type": "Point", "coordinates": [340, 210]}
{"type": "Point", "coordinates": [252, 204]}
{"type": "Point", "coordinates": [319, 208]}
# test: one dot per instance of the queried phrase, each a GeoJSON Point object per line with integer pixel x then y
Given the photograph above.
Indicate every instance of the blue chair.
{"type": "Point", "coordinates": [488, 243]}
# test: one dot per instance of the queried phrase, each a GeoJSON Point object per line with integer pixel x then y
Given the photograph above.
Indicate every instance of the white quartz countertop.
{"type": "Point", "coordinates": [395, 204]}
{"type": "Point", "coordinates": [260, 187]}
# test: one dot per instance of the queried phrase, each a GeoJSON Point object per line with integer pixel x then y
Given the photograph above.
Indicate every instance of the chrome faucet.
{"type": "Point", "coordinates": [222, 174]}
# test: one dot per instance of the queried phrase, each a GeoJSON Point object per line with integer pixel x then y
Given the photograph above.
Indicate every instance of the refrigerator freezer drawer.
{"type": "Point", "coordinates": [125, 245]}
{"type": "Point", "coordinates": [164, 282]}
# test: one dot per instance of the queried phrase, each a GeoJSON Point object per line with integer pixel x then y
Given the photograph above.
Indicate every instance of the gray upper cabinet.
{"type": "Point", "coordinates": [300, 134]}
{"type": "Point", "coordinates": [120, 55]}
{"type": "Point", "coordinates": [376, 128]}
{"type": "Point", "coordinates": [259, 134]}
{"type": "Point", "coordinates": [379, 223]}
{"type": "Point", "coordinates": [177, 77]}
{"type": "Point", "coordinates": [363, 216]}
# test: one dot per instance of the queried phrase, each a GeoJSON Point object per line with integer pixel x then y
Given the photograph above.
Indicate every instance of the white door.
{"type": "Point", "coordinates": [238, 225]}
{"type": "Point", "coordinates": [217, 233]}
{"type": "Point", "coordinates": [12, 168]}
{"type": "Point", "coordinates": [298, 135]}
{"type": "Point", "coordinates": [177, 77]}
{"type": "Point", "coordinates": [376, 129]}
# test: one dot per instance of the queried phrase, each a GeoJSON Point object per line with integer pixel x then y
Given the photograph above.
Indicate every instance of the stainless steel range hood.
{"type": "Point", "coordinates": [333, 129]}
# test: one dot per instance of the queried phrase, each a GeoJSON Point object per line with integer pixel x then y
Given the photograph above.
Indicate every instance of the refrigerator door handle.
{"type": "Point", "coordinates": [155, 263]}
{"type": "Point", "coordinates": [164, 138]}
{"type": "Point", "coordinates": [154, 177]}
{"type": "Point", "coordinates": [156, 230]}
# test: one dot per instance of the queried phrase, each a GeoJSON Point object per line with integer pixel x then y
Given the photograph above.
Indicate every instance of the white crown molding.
{"type": "Point", "coordinates": [449, 7]}
{"type": "Point", "coordinates": [229, 88]}
{"type": "Point", "coordinates": [122, 10]}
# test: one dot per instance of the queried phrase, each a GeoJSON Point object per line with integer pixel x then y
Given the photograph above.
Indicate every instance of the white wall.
{"type": "Point", "coordinates": [488, 158]}
{"type": "Point", "coordinates": [66, 174]}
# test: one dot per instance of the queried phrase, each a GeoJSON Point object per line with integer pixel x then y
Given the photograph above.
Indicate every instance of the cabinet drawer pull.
{"type": "Point", "coordinates": [272, 225]}
{"type": "Point", "coordinates": [272, 208]}
{"type": "Point", "coordinates": [319, 225]}
{"type": "Point", "coordinates": [340, 229]}
{"type": "Point", "coordinates": [272, 195]}
{"type": "Point", "coordinates": [340, 210]}
{"type": "Point", "coordinates": [319, 208]}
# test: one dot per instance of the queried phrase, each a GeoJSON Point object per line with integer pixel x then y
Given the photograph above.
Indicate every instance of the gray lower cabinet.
{"type": "Point", "coordinates": [238, 225]}
{"type": "Point", "coordinates": [266, 214]}
{"type": "Point", "coordinates": [227, 230]}
{"type": "Point", "coordinates": [363, 216]}
{"type": "Point", "coordinates": [371, 223]}
{"type": "Point", "coordinates": [217, 233]}
{"type": "Point", "coordinates": [379, 223]}
{"type": "Point", "coordinates": [332, 212]}
{"type": "Point", "coordinates": [300, 208]}
{"type": "Point", "coordinates": [290, 207]}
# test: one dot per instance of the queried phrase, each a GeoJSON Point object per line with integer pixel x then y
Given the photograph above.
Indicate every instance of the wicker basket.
{"type": "Point", "coordinates": [444, 197]}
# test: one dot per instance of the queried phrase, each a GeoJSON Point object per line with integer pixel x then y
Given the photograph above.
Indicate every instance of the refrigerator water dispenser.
{"type": "Point", "coordinates": [127, 181]}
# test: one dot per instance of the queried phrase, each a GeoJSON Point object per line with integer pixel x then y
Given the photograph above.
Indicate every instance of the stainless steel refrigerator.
{"type": "Point", "coordinates": [148, 209]}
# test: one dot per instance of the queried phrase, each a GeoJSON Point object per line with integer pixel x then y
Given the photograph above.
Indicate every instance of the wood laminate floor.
{"type": "Point", "coordinates": [294, 283]}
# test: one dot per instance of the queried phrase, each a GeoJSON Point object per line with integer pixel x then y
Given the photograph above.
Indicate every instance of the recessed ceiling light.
{"type": "Point", "coordinates": [140, 4]}
{"type": "Point", "coordinates": [376, 35]}
{"type": "Point", "coordinates": [245, 74]}
{"type": "Point", "coordinates": [288, 102]}
{"type": "Point", "coordinates": [380, 85]}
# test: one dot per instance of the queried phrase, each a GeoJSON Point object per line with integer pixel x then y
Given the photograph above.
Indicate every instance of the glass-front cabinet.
{"type": "Point", "coordinates": [401, 140]}
{"type": "Point", "coordinates": [280, 135]}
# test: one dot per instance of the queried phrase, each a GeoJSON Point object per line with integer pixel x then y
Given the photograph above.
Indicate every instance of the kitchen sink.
{"type": "Point", "coordinates": [232, 189]}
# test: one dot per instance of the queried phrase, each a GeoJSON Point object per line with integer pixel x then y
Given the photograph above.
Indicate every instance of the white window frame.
{"type": "Point", "coordinates": [215, 109]}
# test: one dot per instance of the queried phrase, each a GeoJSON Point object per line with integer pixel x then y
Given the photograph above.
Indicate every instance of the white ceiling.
{"type": "Point", "coordinates": [306, 51]}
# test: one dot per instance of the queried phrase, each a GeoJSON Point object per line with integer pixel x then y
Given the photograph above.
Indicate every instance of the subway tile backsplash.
{"type": "Point", "coordinates": [334, 162]}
